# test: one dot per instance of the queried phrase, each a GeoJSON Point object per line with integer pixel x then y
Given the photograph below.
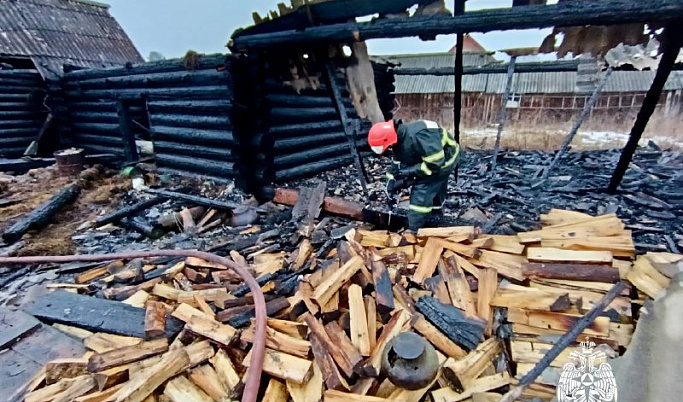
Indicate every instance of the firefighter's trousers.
{"type": "Point", "coordinates": [428, 195]}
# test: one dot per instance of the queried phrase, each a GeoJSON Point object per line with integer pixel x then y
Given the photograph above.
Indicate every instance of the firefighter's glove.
{"type": "Point", "coordinates": [394, 186]}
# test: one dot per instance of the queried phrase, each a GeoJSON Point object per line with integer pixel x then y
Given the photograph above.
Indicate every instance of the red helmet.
{"type": "Point", "coordinates": [382, 136]}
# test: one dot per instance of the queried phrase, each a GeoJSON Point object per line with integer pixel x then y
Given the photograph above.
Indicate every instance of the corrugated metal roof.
{"type": "Point", "coordinates": [439, 60]}
{"type": "Point", "coordinates": [54, 32]}
{"type": "Point", "coordinates": [528, 83]}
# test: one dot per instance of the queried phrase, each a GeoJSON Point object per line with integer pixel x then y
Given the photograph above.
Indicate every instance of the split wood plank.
{"type": "Point", "coordinates": [371, 312]}
{"type": "Point", "coordinates": [483, 384]}
{"type": "Point", "coordinates": [557, 321]}
{"type": "Point", "coordinates": [533, 352]}
{"type": "Point", "coordinates": [559, 256]}
{"type": "Point", "coordinates": [358, 320]}
{"type": "Point", "coordinates": [331, 285]}
{"type": "Point", "coordinates": [561, 216]}
{"type": "Point", "coordinates": [330, 372]}
{"type": "Point", "coordinates": [488, 283]}
{"type": "Point", "coordinates": [619, 246]}
{"type": "Point", "coordinates": [180, 389]}
{"type": "Point", "coordinates": [507, 265]}
{"type": "Point", "coordinates": [340, 347]}
{"type": "Point", "coordinates": [226, 371]}
{"type": "Point", "coordinates": [311, 390]}
{"type": "Point", "coordinates": [279, 341]}
{"type": "Point", "coordinates": [101, 342]}
{"type": "Point", "coordinates": [461, 373]}
{"type": "Point", "coordinates": [155, 320]}
{"type": "Point", "coordinates": [505, 244]}
{"type": "Point", "coordinates": [58, 369]}
{"type": "Point", "coordinates": [100, 396]}
{"type": "Point", "coordinates": [337, 396]}
{"type": "Point", "coordinates": [80, 386]}
{"type": "Point", "coordinates": [76, 310]}
{"type": "Point", "coordinates": [429, 260]}
{"type": "Point", "coordinates": [138, 299]}
{"type": "Point", "coordinates": [383, 293]}
{"type": "Point", "coordinates": [284, 366]}
{"type": "Point", "coordinates": [458, 287]}
{"type": "Point", "coordinates": [125, 355]}
{"type": "Point", "coordinates": [447, 231]}
{"type": "Point", "coordinates": [461, 249]}
{"type": "Point", "coordinates": [197, 322]}
{"type": "Point", "coordinates": [111, 377]}
{"type": "Point", "coordinates": [170, 293]}
{"type": "Point", "coordinates": [275, 392]}
{"type": "Point", "coordinates": [144, 382]}
{"type": "Point", "coordinates": [530, 299]}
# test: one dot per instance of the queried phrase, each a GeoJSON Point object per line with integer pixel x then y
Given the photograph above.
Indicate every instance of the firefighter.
{"type": "Point", "coordinates": [424, 155]}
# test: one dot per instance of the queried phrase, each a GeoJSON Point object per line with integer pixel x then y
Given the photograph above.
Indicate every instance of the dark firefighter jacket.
{"type": "Point", "coordinates": [424, 148]}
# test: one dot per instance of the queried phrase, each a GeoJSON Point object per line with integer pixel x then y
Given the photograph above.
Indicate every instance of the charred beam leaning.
{"type": "Point", "coordinates": [673, 39]}
{"type": "Point", "coordinates": [575, 129]}
{"type": "Point", "coordinates": [503, 112]}
{"type": "Point", "coordinates": [194, 199]}
{"type": "Point", "coordinates": [347, 124]}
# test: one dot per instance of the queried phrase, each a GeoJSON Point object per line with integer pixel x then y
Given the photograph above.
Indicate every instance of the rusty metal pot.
{"type": "Point", "coordinates": [70, 161]}
{"type": "Point", "coordinates": [410, 362]}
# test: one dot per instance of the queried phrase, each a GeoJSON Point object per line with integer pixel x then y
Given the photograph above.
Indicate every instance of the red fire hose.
{"type": "Point", "coordinates": [258, 351]}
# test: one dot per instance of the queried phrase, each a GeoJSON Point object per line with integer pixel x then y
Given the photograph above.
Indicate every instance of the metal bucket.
{"type": "Point", "coordinates": [70, 161]}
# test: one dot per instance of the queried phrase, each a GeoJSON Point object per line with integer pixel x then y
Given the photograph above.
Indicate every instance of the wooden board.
{"type": "Point", "coordinates": [556, 321]}
{"type": "Point", "coordinates": [284, 366]}
{"type": "Point", "coordinates": [111, 317]}
{"type": "Point", "coordinates": [558, 256]}
{"type": "Point", "coordinates": [14, 324]}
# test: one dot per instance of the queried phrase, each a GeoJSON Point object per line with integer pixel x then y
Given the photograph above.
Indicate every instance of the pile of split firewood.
{"type": "Point", "coordinates": [489, 305]}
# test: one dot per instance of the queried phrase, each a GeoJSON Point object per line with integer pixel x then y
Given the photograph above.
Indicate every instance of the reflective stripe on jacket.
{"type": "Point", "coordinates": [425, 147]}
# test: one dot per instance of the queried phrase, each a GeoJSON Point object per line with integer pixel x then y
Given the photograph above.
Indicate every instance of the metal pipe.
{"type": "Point", "coordinates": [258, 351]}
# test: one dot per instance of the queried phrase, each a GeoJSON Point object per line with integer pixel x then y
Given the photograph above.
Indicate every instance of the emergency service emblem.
{"type": "Point", "coordinates": [588, 378]}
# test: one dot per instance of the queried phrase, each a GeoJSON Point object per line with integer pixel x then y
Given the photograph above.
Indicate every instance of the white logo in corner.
{"type": "Point", "coordinates": [588, 378]}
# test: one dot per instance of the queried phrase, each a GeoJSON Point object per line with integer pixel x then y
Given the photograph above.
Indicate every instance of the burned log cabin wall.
{"type": "Point", "coordinates": [22, 110]}
{"type": "Point", "coordinates": [299, 130]}
{"type": "Point", "coordinates": [184, 106]}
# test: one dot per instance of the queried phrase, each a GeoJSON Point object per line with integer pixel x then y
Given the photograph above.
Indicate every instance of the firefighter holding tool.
{"type": "Point", "coordinates": [424, 156]}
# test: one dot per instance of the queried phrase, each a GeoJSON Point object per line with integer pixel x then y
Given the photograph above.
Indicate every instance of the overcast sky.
{"type": "Point", "coordinates": [172, 27]}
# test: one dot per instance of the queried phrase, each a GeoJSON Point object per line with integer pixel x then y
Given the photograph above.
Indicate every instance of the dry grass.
{"type": "Point", "coordinates": [55, 239]}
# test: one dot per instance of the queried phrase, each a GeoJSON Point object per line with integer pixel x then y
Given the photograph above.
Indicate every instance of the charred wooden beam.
{"type": "Point", "coordinates": [463, 330]}
{"type": "Point", "coordinates": [204, 62]}
{"type": "Point", "coordinates": [673, 39]}
{"type": "Point", "coordinates": [607, 12]}
{"type": "Point", "coordinates": [130, 149]}
{"type": "Point", "coordinates": [40, 216]}
{"type": "Point", "coordinates": [194, 199]}
{"type": "Point", "coordinates": [141, 227]}
{"type": "Point", "coordinates": [572, 272]}
{"type": "Point", "coordinates": [500, 68]}
{"type": "Point", "coordinates": [76, 310]}
{"type": "Point", "coordinates": [329, 11]}
{"type": "Point", "coordinates": [193, 135]}
{"type": "Point", "coordinates": [128, 211]}
{"type": "Point", "coordinates": [335, 206]}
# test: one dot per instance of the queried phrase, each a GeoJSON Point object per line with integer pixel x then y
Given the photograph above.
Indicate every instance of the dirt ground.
{"type": "Point", "coordinates": [38, 186]}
